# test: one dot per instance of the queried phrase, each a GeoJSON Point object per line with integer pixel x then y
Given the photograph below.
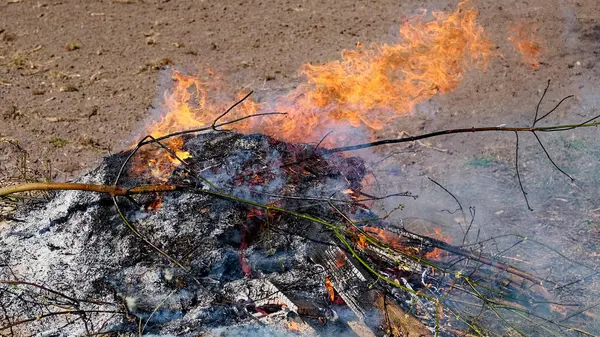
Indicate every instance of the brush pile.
{"type": "Point", "coordinates": [258, 237]}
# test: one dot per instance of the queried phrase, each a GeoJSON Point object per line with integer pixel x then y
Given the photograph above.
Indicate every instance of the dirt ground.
{"type": "Point", "coordinates": [77, 79]}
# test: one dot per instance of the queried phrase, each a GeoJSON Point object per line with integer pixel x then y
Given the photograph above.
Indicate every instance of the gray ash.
{"type": "Point", "coordinates": [244, 265]}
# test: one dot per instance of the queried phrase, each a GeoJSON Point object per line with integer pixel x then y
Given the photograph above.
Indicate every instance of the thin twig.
{"type": "Point", "coordinates": [517, 170]}
{"type": "Point", "coordinates": [72, 299]}
{"type": "Point", "coordinates": [588, 123]}
{"type": "Point", "coordinates": [457, 251]}
{"type": "Point", "coordinates": [553, 109]}
{"type": "Point", "coordinates": [550, 158]}
{"type": "Point", "coordinates": [537, 108]}
{"type": "Point", "coordinates": [185, 132]}
{"type": "Point", "coordinates": [213, 126]}
{"type": "Point", "coordinates": [460, 208]}
{"type": "Point", "coordinates": [156, 309]}
{"type": "Point", "coordinates": [56, 313]}
{"type": "Point", "coordinates": [321, 141]}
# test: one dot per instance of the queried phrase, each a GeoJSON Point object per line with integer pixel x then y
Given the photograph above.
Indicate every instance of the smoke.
{"type": "Point", "coordinates": [476, 169]}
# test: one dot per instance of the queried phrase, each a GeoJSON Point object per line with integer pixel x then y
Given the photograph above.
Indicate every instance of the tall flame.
{"type": "Point", "coordinates": [371, 86]}
{"type": "Point", "coordinates": [365, 90]}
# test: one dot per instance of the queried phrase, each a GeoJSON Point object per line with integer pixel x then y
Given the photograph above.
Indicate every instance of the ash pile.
{"type": "Point", "coordinates": [262, 237]}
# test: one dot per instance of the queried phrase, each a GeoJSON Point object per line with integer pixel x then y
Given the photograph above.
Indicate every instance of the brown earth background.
{"type": "Point", "coordinates": [77, 79]}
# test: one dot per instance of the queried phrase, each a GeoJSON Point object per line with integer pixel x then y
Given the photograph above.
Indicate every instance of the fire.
{"type": "Point", "coordinates": [193, 103]}
{"type": "Point", "coordinates": [362, 242]}
{"type": "Point", "coordinates": [162, 162]}
{"type": "Point", "coordinates": [340, 259]}
{"type": "Point", "coordinates": [293, 326]}
{"type": "Point", "coordinates": [437, 253]}
{"type": "Point", "coordinates": [368, 88]}
{"type": "Point", "coordinates": [525, 44]}
{"type": "Point", "coordinates": [384, 236]}
{"type": "Point", "coordinates": [187, 106]}
{"type": "Point", "coordinates": [330, 289]}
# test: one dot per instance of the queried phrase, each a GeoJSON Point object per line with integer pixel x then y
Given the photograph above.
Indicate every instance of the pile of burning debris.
{"type": "Point", "coordinates": [260, 234]}
{"type": "Point", "coordinates": [264, 231]}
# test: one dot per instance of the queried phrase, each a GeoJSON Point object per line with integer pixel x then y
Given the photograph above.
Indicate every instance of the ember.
{"type": "Point", "coordinates": [293, 326]}
{"type": "Point", "coordinates": [362, 242]}
{"type": "Point", "coordinates": [385, 236]}
{"type": "Point", "coordinates": [340, 259]}
{"type": "Point", "coordinates": [156, 204]}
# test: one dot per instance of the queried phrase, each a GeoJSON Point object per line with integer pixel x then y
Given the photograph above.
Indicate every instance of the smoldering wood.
{"type": "Point", "coordinates": [242, 270]}
{"type": "Point", "coordinates": [76, 244]}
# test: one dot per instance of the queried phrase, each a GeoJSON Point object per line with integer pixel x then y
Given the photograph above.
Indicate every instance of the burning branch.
{"type": "Point", "coordinates": [115, 191]}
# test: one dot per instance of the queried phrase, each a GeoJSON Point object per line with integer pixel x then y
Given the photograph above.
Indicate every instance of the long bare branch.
{"type": "Point", "coordinates": [110, 190]}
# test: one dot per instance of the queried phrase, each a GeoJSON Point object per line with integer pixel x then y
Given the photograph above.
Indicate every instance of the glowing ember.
{"type": "Point", "coordinates": [255, 212]}
{"type": "Point", "coordinates": [246, 268]}
{"type": "Point", "coordinates": [156, 204]}
{"type": "Point", "coordinates": [293, 326]}
{"type": "Point", "coordinates": [351, 193]}
{"type": "Point", "coordinates": [524, 43]}
{"type": "Point", "coordinates": [365, 90]}
{"type": "Point", "coordinates": [384, 236]}
{"type": "Point", "coordinates": [330, 289]}
{"type": "Point", "coordinates": [340, 259]}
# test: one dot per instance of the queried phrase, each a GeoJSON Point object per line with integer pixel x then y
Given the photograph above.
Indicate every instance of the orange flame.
{"type": "Point", "coordinates": [365, 90]}
{"type": "Point", "coordinates": [162, 163]}
{"type": "Point", "coordinates": [330, 289]}
{"type": "Point", "coordinates": [384, 236]}
{"type": "Point", "coordinates": [371, 86]}
{"type": "Point", "coordinates": [525, 44]}
{"type": "Point", "coordinates": [362, 242]}
{"type": "Point", "coordinates": [437, 253]}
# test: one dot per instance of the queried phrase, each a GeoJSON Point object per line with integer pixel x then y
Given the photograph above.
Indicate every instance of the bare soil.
{"type": "Point", "coordinates": [77, 79]}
